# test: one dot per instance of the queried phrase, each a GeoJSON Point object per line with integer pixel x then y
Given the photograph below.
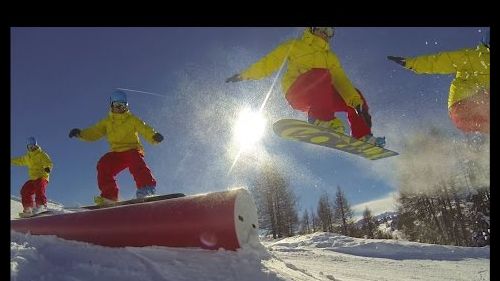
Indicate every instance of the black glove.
{"type": "Point", "coordinates": [359, 109]}
{"type": "Point", "coordinates": [365, 115]}
{"type": "Point", "coordinates": [234, 78]}
{"type": "Point", "coordinates": [47, 169]}
{"type": "Point", "coordinates": [398, 60]}
{"type": "Point", "coordinates": [157, 137]}
{"type": "Point", "coordinates": [74, 133]}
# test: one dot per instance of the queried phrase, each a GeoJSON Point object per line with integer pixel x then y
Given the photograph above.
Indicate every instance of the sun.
{"type": "Point", "coordinates": [249, 128]}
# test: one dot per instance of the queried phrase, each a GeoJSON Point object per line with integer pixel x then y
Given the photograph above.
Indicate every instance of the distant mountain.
{"type": "Point", "coordinates": [387, 222]}
{"type": "Point", "coordinates": [387, 216]}
{"type": "Point", "coordinates": [381, 218]}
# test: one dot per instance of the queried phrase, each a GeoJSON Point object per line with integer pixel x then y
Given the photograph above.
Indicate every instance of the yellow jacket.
{"type": "Point", "coordinates": [303, 54]}
{"type": "Point", "coordinates": [471, 65]}
{"type": "Point", "coordinates": [121, 131]}
{"type": "Point", "coordinates": [36, 160]}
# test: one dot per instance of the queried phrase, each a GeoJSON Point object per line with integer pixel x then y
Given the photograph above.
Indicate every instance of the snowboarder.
{"type": "Point", "coordinates": [121, 128]}
{"type": "Point", "coordinates": [39, 167]}
{"type": "Point", "coordinates": [316, 83]}
{"type": "Point", "coordinates": [469, 95]}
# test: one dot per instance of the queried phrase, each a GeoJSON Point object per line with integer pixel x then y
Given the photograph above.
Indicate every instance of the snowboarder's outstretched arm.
{"type": "Point", "coordinates": [147, 131]}
{"type": "Point", "coordinates": [46, 162]}
{"type": "Point", "coordinates": [92, 133]}
{"type": "Point", "coordinates": [342, 83]}
{"type": "Point", "coordinates": [439, 63]}
{"type": "Point", "coordinates": [38, 162]}
{"type": "Point", "coordinates": [266, 65]}
{"type": "Point", "coordinates": [20, 161]}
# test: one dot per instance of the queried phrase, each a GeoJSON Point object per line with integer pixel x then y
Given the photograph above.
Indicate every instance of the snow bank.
{"type": "Point", "coordinates": [380, 248]}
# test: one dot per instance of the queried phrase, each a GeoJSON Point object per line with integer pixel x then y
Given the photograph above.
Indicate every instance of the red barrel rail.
{"type": "Point", "coordinates": [226, 219]}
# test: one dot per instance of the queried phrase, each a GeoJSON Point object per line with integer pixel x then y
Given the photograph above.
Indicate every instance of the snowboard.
{"type": "Point", "coordinates": [24, 216]}
{"type": "Point", "coordinates": [305, 132]}
{"type": "Point", "coordinates": [135, 201]}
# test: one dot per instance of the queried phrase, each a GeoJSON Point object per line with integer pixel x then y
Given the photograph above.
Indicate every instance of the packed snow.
{"type": "Point", "coordinates": [317, 256]}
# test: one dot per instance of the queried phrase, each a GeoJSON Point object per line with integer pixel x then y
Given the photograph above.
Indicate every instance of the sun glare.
{"type": "Point", "coordinates": [249, 128]}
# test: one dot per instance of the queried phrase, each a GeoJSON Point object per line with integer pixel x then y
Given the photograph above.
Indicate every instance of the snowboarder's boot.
{"type": "Point", "coordinates": [102, 201]}
{"type": "Point", "coordinates": [28, 211]}
{"type": "Point", "coordinates": [378, 141]}
{"type": "Point", "coordinates": [335, 124]}
{"type": "Point", "coordinates": [146, 191]}
{"type": "Point", "coordinates": [40, 209]}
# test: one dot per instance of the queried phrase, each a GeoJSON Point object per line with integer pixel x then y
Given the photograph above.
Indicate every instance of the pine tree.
{"type": "Point", "coordinates": [315, 226]}
{"type": "Point", "coordinates": [324, 211]}
{"type": "Point", "coordinates": [368, 224]}
{"type": "Point", "coordinates": [342, 212]}
{"type": "Point", "coordinates": [276, 202]}
{"type": "Point", "coordinates": [305, 223]}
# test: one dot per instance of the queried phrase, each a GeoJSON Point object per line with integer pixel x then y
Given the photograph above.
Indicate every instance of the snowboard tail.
{"type": "Point", "coordinates": [302, 131]}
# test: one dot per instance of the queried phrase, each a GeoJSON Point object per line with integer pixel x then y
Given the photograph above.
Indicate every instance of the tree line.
{"type": "Point", "coordinates": [277, 207]}
{"type": "Point", "coordinates": [450, 211]}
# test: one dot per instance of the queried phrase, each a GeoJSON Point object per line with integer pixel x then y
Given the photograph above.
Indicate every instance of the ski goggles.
{"type": "Point", "coordinates": [119, 104]}
{"type": "Point", "coordinates": [328, 31]}
{"type": "Point", "coordinates": [31, 146]}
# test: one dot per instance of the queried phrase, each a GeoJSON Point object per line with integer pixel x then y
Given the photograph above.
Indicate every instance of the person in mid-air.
{"type": "Point", "coordinates": [469, 95]}
{"type": "Point", "coordinates": [39, 167]}
{"type": "Point", "coordinates": [315, 83]}
{"type": "Point", "coordinates": [122, 130]}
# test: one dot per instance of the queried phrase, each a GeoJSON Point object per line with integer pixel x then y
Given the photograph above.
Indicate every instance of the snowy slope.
{"type": "Point", "coordinates": [15, 207]}
{"type": "Point", "coordinates": [339, 257]}
{"type": "Point", "coordinates": [318, 256]}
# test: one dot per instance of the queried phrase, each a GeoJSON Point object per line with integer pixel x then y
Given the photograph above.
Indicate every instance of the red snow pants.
{"type": "Point", "coordinates": [114, 162]}
{"type": "Point", "coordinates": [36, 187]}
{"type": "Point", "coordinates": [313, 92]}
{"type": "Point", "coordinates": [472, 114]}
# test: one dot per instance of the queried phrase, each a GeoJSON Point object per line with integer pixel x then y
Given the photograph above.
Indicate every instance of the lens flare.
{"type": "Point", "coordinates": [249, 128]}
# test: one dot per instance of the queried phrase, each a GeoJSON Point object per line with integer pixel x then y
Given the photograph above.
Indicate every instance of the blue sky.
{"type": "Point", "coordinates": [61, 78]}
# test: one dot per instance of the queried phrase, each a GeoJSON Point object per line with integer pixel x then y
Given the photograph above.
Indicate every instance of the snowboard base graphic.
{"type": "Point", "coordinates": [302, 131]}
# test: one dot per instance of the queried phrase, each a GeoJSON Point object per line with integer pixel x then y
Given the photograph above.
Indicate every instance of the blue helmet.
{"type": "Point", "coordinates": [486, 39]}
{"type": "Point", "coordinates": [31, 141]}
{"type": "Point", "coordinates": [118, 96]}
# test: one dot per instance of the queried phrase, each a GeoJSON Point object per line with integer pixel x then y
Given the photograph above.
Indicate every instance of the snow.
{"type": "Point", "coordinates": [318, 256]}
